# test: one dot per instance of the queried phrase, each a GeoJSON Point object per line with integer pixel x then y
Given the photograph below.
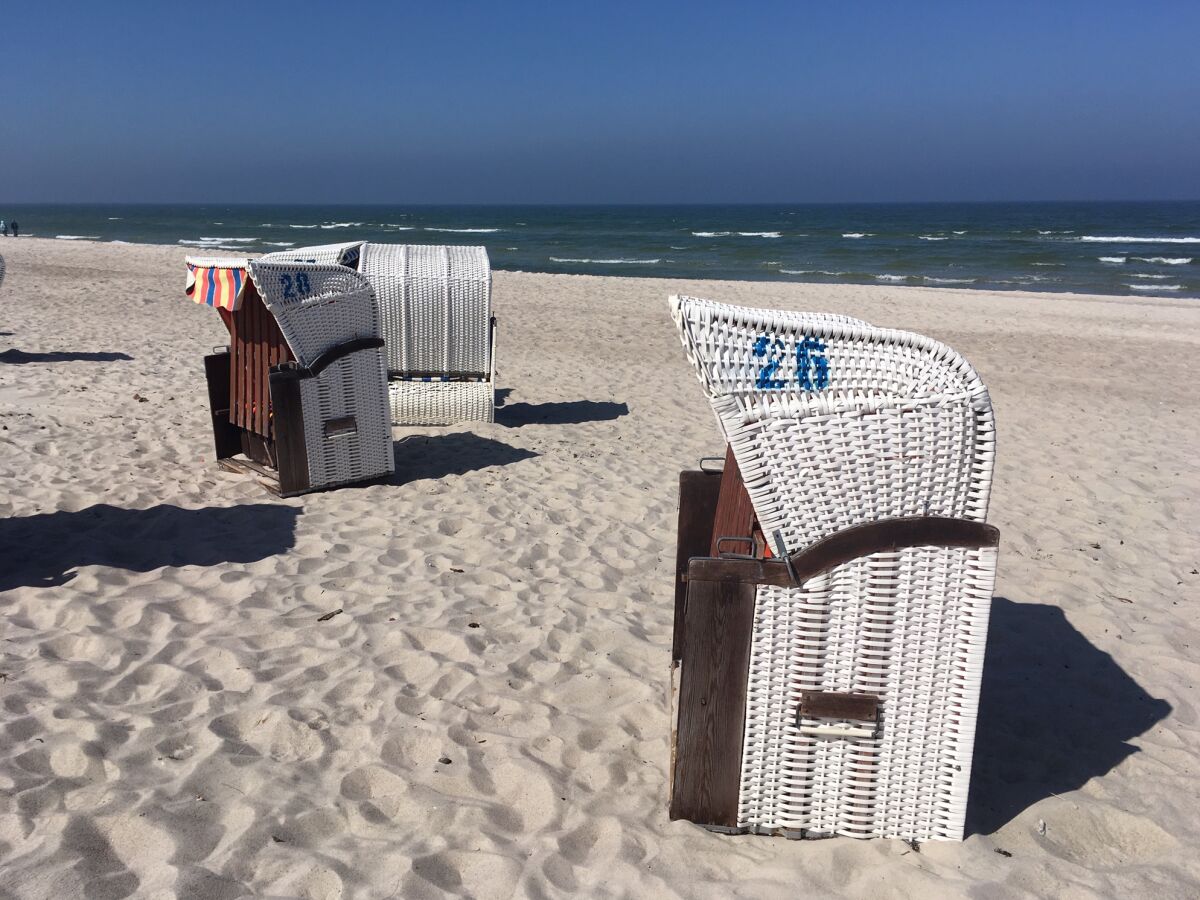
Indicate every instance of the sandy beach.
{"type": "Point", "coordinates": [488, 715]}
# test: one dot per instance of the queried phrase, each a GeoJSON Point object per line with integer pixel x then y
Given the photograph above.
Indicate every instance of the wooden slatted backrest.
{"type": "Point", "coordinates": [256, 344]}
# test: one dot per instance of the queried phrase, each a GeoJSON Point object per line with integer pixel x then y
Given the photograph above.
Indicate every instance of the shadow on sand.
{"type": "Point", "coordinates": [419, 457]}
{"type": "Point", "coordinates": [40, 550]}
{"type": "Point", "coordinates": [20, 357]}
{"type": "Point", "coordinates": [1055, 711]}
{"type": "Point", "coordinates": [574, 412]}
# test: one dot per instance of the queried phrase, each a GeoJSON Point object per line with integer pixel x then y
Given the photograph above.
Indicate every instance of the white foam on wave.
{"type": "Point", "coordinates": [280, 243]}
{"type": "Point", "coordinates": [711, 233]}
{"type": "Point", "coordinates": [960, 232]}
{"type": "Point", "coordinates": [342, 225]}
{"type": "Point", "coordinates": [763, 234]}
{"type": "Point", "coordinates": [464, 230]}
{"type": "Point", "coordinates": [1111, 259]}
{"type": "Point", "coordinates": [892, 277]}
{"type": "Point", "coordinates": [211, 245]}
{"type": "Point", "coordinates": [932, 237]}
{"type": "Point", "coordinates": [858, 234]}
{"type": "Point", "coordinates": [1048, 264]}
{"type": "Point", "coordinates": [1156, 287]}
{"type": "Point", "coordinates": [304, 226]}
{"type": "Point", "coordinates": [1070, 231]}
{"type": "Point", "coordinates": [933, 280]}
{"type": "Point", "coordinates": [114, 219]}
{"type": "Point", "coordinates": [78, 237]}
{"type": "Point", "coordinates": [1094, 239]}
{"type": "Point", "coordinates": [1166, 260]}
{"type": "Point", "coordinates": [398, 227]}
{"type": "Point", "coordinates": [607, 262]}
{"type": "Point", "coordinates": [229, 240]}
{"type": "Point", "coordinates": [813, 272]}
{"type": "Point", "coordinates": [130, 243]}
{"type": "Point", "coordinates": [1155, 277]}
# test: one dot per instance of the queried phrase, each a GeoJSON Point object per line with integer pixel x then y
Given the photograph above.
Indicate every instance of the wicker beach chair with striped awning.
{"type": "Point", "coordinates": [828, 679]}
{"type": "Point", "coordinates": [435, 303]}
{"type": "Point", "coordinates": [300, 395]}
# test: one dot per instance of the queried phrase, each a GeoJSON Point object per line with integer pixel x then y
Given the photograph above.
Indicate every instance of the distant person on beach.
{"type": "Point", "coordinates": [16, 228]}
{"type": "Point", "coordinates": [4, 226]}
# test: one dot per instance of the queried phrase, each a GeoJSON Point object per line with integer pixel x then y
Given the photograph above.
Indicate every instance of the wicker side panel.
{"type": "Point", "coordinates": [811, 477]}
{"type": "Point", "coordinates": [908, 627]}
{"type": "Point", "coordinates": [441, 402]}
{"type": "Point", "coordinates": [347, 431]}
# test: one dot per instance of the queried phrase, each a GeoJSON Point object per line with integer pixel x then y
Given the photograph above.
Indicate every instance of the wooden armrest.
{"type": "Point", "coordinates": [848, 544]}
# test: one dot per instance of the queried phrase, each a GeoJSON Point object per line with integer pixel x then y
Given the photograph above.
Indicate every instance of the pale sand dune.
{"type": "Point", "coordinates": [177, 722]}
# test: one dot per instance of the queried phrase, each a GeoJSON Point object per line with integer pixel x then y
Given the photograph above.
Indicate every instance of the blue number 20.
{"type": "Point", "coordinates": [297, 287]}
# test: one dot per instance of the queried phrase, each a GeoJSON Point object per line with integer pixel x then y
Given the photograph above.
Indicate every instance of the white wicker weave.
{"type": "Point", "coordinates": [435, 303]}
{"type": "Point", "coordinates": [319, 307]}
{"type": "Point", "coordinates": [324, 254]}
{"type": "Point", "coordinates": [855, 424]}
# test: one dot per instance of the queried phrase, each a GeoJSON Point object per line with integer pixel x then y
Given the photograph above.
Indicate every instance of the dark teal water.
{"type": "Point", "coordinates": [1109, 248]}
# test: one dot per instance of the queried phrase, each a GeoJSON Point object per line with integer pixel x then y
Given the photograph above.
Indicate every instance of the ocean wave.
{"type": "Point", "coordinates": [1155, 287]}
{"type": "Point", "coordinates": [280, 243]}
{"type": "Point", "coordinates": [78, 237]}
{"type": "Point", "coordinates": [931, 237]}
{"type": "Point", "coordinates": [858, 234]}
{"type": "Point", "coordinates": [766, 234]}
{"type": "Point", "coordinates": [1166, 260]}
{"type": "Point", "coordinates": [1093, 239]}
{"type": "Point", "coordinates": [960, 232]}
{"type": "Point", "coordinates": [607, 262]}
{"type": "Point", "coordinates": [398, 227]}
{"type": "Point", "coordinates": [1111, 259]}
{"type": "Point", "coordinates": [711, 233]}
{"type": "Point", "coordinates": [342, 225]}
{"type": "Point", "coordinates": [464, 230]}
{"type": "Point", "coordinates": [304, 226]}
{"type": "Point", "coordinates": [114, 219]}
{"type": "Point", "coordinates": [893, 277]}
{"type": "Point", "coordinates": [1155, 277]}
{"type": "Point", "coordinates": [813, 272]}
{"type": "Point", "coordinates": [1070, 231]}
{"type": "Point", "coordinates": [673, 247]}
{"type": "Point", "coordinates": [1050, 264]}
{"type": "Point", "coordinates": [209, 245]}
{"type": "Point", "coordinates": [130, 243]}
{"type": "Point", "coordinates": [933, 280]}
{"type": "Point", "coordinates": [227, 240]}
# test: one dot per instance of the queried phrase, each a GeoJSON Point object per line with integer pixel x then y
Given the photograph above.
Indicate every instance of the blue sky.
{"type": "Point", "coordinates": [614, 102]}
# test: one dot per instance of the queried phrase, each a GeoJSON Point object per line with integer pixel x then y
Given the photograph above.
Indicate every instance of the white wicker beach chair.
{"type": "Point", "coordinates": [330, 404]}
{"type": "Point", "coordinates": [435, 303]}
{"type": "Point", "coordinates": [833, 689]}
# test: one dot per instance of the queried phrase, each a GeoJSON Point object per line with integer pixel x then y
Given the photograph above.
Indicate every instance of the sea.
{"type": "Point", "coordinates": [1132, 249]}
